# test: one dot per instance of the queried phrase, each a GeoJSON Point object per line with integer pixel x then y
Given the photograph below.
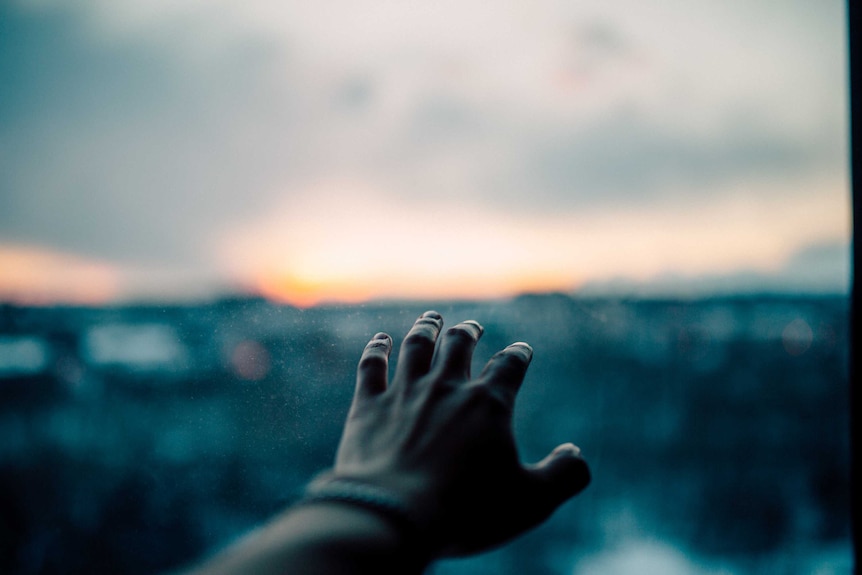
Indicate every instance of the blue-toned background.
{"type": "Point", "coordinates": [656, 162]}
{"type": "Point", "coordinates": [137, 438]}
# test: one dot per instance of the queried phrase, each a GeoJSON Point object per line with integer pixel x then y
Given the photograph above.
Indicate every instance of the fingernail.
{"type": "Point", "coordinates": [477, 324]}
{"type": "Point", "coordinates": [432, 314]}
{"type": "Point", "coordinates": [381, 335]}
{"type": "Point", "coordinates": [571, 448]}
{"type": "Point", "coordinates": [528, 349]}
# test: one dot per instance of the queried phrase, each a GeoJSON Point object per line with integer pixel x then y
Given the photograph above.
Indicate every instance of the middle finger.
{"type": "Point", "coordinates": [456, 350]}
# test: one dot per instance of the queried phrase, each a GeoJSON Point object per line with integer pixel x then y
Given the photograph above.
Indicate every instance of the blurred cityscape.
{"type": "Point", "coordinates": [137, 438]}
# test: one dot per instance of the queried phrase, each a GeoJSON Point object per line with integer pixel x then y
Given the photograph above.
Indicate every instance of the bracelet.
{"type": "Point", "coordinates": [361, 494]}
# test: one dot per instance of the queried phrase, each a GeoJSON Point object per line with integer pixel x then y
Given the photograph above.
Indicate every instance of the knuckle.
{"type": "Point", "coordinates": [376, 344]}
{"type": "Point", "coordinates": [441, 386]}
{"type": "Point", "coordinates": [438, 389]}
{"type": "Point", "coordinates": [461, 331]}
{"type": "Point", "coordinates": [509, 363]}
{"type": "Point", "coordinates": [429, 321]}
{"type": "Point", "coordinates": [420, 336]}
{"type": "Point", "coordinates": [480, 393]}
{"type": "Point", "coordinates": [488, 398]}
{"type": "Point", "coordinates": [373, 361]}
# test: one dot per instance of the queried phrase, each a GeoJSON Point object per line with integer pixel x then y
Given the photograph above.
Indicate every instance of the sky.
{"type": "Point", "coordinates": [347, 150]}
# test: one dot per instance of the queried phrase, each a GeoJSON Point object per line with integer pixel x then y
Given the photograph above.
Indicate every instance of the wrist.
{"type": "Point", "coordinates": [356, 539]}
{"type": "Point", "coordinates": [412, 523]}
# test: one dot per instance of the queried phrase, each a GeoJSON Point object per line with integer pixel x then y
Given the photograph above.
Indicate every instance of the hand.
{"type": "Point", "coordinates": [443, 443]}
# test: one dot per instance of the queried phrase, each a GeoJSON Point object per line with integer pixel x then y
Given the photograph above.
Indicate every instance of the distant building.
{"type": "Point", "coordinates": [140, 348]}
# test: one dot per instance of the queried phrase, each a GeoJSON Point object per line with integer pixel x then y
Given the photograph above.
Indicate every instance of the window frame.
{"type": "Point", "coordinates": [854, 35]}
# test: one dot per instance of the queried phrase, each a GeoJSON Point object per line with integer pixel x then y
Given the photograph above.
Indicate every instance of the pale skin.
{"type": "Point", "coordinates": [439, 440]}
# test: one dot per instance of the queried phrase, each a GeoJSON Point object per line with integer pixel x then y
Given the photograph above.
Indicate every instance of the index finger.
{"type": "Point", "coordinates": [417, 349]}
{"type": "Point", "coordinates": [372, 371]}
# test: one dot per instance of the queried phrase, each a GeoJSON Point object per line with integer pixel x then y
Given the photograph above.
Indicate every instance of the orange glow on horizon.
{"type": "Point", "coordinates": [304, 293]}
{"type": "Point", "coordinates": [349, 242]}
{"type": "Point", "coordinates": [308, 293]}
{"type": "Point", "coordinates": [35, 276]}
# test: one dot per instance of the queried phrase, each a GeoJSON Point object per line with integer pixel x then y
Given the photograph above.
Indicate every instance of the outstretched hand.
{"type": "Point", "coordinates": [442, 441]}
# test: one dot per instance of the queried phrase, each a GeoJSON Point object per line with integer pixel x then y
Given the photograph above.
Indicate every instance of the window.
{"type": "Point", "coordinates": [208, 209]}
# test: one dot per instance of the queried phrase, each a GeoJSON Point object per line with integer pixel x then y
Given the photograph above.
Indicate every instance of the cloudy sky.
{"type": "Point", "coordinates": [346, 149]}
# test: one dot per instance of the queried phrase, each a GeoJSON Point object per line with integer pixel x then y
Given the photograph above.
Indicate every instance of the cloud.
{"type": "Point", "coordinates": [815, 268]}
{"type": "Point", "coordinates": [630, 158]}
{"type": "Point", "coordinates": [143, 133]}
{"type": "Point", "coordinates": [122, 153]}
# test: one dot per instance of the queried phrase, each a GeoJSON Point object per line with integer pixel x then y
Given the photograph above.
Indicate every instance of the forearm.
{"type": "Point", "coordinates": [317, 539]}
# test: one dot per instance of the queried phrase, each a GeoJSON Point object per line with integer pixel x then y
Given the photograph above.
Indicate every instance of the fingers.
{"type": "Point", "coordinates": [456, 349]}
{"type": "Point", "coordinates": [560, 475]}
{"type": "Point", "coordinates": [417, 349]}
{"type": "Point", "coordinates": [373, 369]}
{"type": "Point", "coordinates": [506, 370]}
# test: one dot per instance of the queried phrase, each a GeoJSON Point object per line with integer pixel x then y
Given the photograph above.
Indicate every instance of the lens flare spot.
{"type": "Point", "coordinates": [250, 361]}
{"type": "Point", "coordinates": [797, 337]}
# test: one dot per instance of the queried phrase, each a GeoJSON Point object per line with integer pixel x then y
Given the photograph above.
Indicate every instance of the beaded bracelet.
{"type": "Point", "coordinates": [361, 494]}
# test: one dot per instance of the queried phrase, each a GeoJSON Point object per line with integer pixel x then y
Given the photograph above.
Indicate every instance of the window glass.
{"type": "Point", "coordinates": [209, 208]}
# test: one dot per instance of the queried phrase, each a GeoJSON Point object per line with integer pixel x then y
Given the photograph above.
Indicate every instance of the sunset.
{"type": "Point", "coordinates": [314, 155]}
{"type": "Point", "coordinates": [353, 245]}
{"type": "Point", "coordinates": [457, 287]}
{"type": "Point", "coordinates": [341, 244]}
{"type": "Point", "coordinates": [41, 277]}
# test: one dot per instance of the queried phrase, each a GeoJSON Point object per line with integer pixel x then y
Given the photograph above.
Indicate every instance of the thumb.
{"type": "Point", "coordinates": [562, 474]}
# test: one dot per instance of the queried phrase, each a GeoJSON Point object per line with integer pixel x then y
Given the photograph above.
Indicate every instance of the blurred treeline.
{"type": "Point", "coordinates": [133, 439]}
